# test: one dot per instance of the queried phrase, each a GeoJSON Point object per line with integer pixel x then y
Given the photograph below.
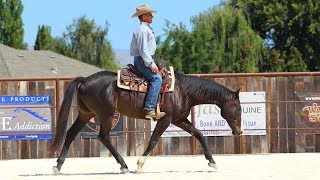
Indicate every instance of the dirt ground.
{"type": "Point", "coordinates": [244, 167]}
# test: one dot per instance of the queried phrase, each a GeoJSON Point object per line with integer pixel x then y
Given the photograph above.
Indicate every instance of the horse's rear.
{"type": "Point", "coordinates": [96, 96]}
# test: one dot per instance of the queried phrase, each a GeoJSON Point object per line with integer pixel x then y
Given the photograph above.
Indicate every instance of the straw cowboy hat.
{"type": "Point", "coordinates": [143, 9]}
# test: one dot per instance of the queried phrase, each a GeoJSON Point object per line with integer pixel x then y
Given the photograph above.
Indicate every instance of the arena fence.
{"type": "Point", "coordinates": [292, 118]}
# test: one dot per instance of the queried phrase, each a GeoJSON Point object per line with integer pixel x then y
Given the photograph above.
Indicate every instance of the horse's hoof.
{"type": "Point", "coordinates": [124, 170]}
{"type": "Point", "coordinates": [56, 171]}
{"type": "Point", "coordinates": [213, 165]}
{"type": "Point", "coordinates": [138, 171]}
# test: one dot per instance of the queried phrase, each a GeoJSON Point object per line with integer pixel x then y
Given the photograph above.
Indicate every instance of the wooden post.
{"type": "Point", "coordinates": [57, 98]}
{"type": "Point", "coordinates": [317, 146]}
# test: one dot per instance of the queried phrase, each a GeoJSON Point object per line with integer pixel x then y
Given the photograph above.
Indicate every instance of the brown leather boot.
{"type": "Point", "coordinates": [151, 115]}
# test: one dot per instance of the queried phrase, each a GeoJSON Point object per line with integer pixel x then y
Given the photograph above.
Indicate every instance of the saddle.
{"type": "Point", "coordinates": [131, 79]}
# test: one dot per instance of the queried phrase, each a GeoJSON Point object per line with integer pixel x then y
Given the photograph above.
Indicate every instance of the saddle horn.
{"type": "Point", "coordinates": [161, 63]}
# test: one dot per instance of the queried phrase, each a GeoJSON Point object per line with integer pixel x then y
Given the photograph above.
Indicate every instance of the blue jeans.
{"type": "Point", "coordinates": [155, 82]}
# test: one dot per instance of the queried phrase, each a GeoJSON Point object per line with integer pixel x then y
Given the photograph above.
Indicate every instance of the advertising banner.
{"type": "Point", "coordinates": [209, 121]}
{"type": "Point", "coordinates": [307, 112]}
{"type": "Point", "coordinates": [25, 117]}
{"type": "Point", "coordinates": [92, 128]}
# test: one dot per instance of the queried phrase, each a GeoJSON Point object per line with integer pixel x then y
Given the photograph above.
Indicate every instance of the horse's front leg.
{"type": "Point", "coordinates": [161, 126]}
{"type": "Point", "coordinates": [186, 125]}
{"type": "Point", "coordinates": [104, 137]}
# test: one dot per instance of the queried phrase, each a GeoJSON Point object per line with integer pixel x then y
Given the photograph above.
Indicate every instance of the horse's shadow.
{"type": "Point", "coordinates": [73, 174]}
{"type": "Point", "coordinates": [115, 173]}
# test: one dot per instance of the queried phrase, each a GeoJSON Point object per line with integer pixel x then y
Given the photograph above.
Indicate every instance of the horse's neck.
{"type": "Point", "coordinates": [206, 100]}
{"type": "Point", "coordinates": [212, 93]}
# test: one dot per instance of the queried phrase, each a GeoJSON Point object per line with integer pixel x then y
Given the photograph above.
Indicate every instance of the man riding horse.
{"type": "Point", "coordinates": [98, 95]}
{"type": "Point", "coordinates": [143, 47]}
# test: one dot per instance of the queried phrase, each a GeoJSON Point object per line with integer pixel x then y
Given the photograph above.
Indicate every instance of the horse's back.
{"type": "Point", "coordinates": [102, 75]}
{"type": "Point", "coordinates": [97, 89]}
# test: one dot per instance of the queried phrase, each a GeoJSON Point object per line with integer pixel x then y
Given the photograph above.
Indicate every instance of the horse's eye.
{"type": "Point", "coordinates": [237, 105]}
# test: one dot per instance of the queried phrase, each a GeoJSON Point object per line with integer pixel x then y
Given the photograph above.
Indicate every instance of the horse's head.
{"type": "Point", "coordinates": [231, 111]}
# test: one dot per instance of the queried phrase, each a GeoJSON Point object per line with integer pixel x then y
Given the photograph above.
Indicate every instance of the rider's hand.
{"type": "Point", "coordinates": [155, 69]}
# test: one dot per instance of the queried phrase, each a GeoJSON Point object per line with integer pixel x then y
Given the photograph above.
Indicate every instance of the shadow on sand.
{"type": "Point", "coordinates": [115, 173]}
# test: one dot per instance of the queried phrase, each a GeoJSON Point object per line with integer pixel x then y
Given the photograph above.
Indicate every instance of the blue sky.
{"type": "Point", "coordinates": [58, 14]}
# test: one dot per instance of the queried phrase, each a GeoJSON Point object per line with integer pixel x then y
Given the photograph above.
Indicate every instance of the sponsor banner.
{"type": "Point", "coordinates": [25, 117]}
{"type": "Point", "coordinates": [209, 121]}
{"type": "Point", "coordinates": [307, 112]}
{"type": "Point", "coordinates": [26, 137]}
{"type": "Point", "coordinates": [92, 128]}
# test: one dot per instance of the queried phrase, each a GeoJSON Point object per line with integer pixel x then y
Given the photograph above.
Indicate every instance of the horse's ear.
{"type": "Point", "coordinates": [237, 93]}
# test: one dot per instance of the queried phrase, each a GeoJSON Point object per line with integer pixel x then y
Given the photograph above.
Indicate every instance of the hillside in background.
{"type": "Point", "coordinates": [123, 57]}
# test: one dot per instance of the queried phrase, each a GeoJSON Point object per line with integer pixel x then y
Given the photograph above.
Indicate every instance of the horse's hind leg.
{"type": "Point", "coordinates": [187, 126]}
{"type": "Point", "coordinates": [71, 134]}
{"type": "Point", "coordinates": [104, 136]}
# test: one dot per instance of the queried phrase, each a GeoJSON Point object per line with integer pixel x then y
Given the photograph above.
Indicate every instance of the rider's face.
{"type": "Point", "coordinates": [148, 17]}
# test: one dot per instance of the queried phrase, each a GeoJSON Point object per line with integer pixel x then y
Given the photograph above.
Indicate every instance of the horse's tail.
{"type": "Point", "coordinates": [61, 123]}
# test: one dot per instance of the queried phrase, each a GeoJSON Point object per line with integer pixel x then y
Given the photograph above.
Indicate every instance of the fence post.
{"type": "Point", "coordinates": [317, 149]}
{"type": "Point", "coordinates": [57, 98]}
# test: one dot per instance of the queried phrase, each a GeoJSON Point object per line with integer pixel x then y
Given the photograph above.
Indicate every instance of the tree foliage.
{"type": "Point", "coordinates": [44, 40]}
{"type": "Point", "coordinates": [11, 24]}
{"type": "Point", "coordinates": [175, 47]}
{"type": "Point", "coordinates": [221, 40]}
{"type": "Point", "coordinates": [87, 42]}
{"type": "Point", "coordinates": [289, 27]}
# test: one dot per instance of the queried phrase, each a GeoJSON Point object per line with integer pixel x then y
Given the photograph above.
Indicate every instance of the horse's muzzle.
{"type": "Point", "coordinates": [237, 132]}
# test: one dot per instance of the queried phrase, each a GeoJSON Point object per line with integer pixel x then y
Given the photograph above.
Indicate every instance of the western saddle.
{"type": "Point", "coordinates": [131, 79]}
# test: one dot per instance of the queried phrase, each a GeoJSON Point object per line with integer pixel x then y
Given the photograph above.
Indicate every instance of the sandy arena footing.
{"type": "Point", "coordinates": [256, 167]}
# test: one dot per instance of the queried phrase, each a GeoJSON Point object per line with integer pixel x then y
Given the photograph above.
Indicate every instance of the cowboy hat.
{"type": "Point", "coordinates": [143, 9]}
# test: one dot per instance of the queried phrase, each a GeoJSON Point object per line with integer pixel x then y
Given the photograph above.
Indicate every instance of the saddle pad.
{"type": "Point", "coordinates": [136, 84]}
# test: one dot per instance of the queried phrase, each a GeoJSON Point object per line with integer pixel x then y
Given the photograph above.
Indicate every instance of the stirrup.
{"type": "Point", "coordinates": [151, 115]}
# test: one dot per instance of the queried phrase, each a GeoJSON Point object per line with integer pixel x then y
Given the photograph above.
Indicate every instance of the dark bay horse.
{"type": "Point", "coordinates": [98, 95]}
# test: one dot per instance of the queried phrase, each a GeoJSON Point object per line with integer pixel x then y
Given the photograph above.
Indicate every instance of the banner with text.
{"type": "Point", "coordinates": [92, 128]}
{"type": "Point", "coordinates": [25, 117]}
{"type": "Point", "coordinates": [307, 112]}
{"type": "Point", "coordinates": [209, 121]}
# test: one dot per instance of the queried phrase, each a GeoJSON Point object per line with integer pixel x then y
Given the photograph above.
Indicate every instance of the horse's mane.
{"type": "Point", "coordinates": [202, 89]}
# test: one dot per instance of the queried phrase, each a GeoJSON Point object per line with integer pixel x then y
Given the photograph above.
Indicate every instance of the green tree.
{"type": "Point", "coordinates": [287, 26]}
{"type": "Point", "coordinates": [274, 62]}
{"type": "Point", "coordinates": [61, 46]}
{"type": "Point", "coordinates": [295, 61]}
{"type": "Point", "coordinates": [175, 48]}
{"type": "Point", "coordinates": [44, 39]}
{"type": "Point", "coordinates": [87, 42]}
{"type": "Point", "coordinates": [221, 41]}
{"type": "Point", "coordinates": [11, 25]}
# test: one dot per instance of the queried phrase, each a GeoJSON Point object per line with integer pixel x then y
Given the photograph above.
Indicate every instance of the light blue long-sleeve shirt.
{"type": "Point", "coordinates": [144, 44]}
